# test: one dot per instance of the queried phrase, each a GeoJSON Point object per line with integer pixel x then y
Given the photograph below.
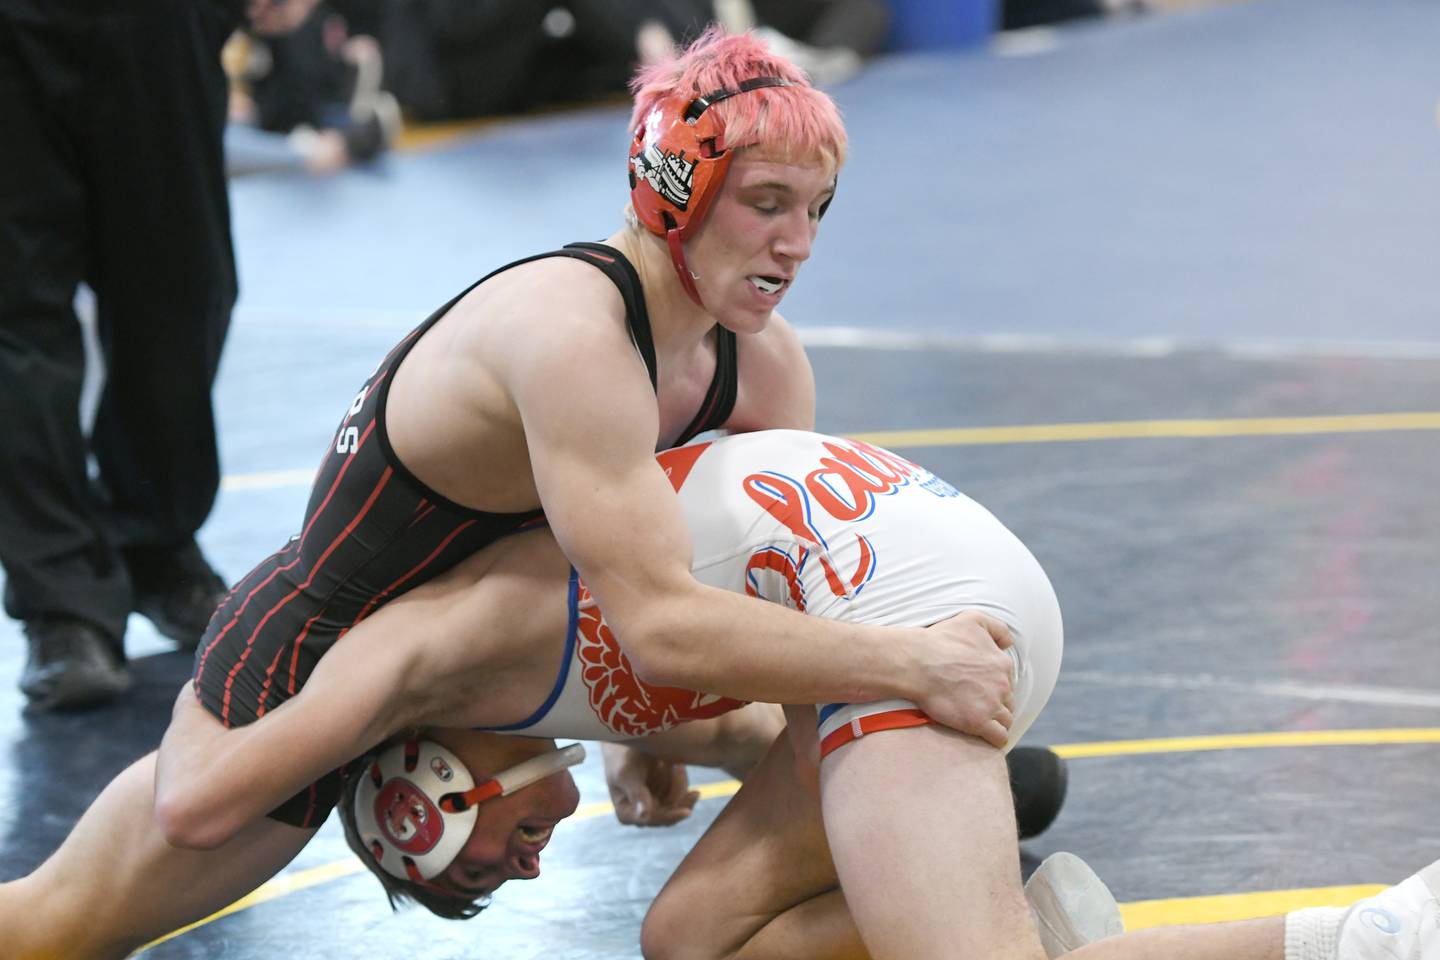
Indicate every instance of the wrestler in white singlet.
{"type": "Point", "coordinates": [835, 528]}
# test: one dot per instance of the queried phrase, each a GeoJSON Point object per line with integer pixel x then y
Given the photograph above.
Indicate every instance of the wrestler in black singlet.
{"type": "Point", "coordinates": [373, 531]}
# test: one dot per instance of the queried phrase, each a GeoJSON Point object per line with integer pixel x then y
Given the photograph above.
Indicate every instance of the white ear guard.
{"type": "Point", "coordinates": [415, 803]}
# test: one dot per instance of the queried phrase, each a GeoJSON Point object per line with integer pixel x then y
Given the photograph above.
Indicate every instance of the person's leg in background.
{"type": "Point", "coordinates": [829, 39]}
{"type": "Point", "coordinates": [163, 271]}
{"type": "Point", "coordinates": [62, 578]}
{"type": "Point", "coordinates": [456, 59]}
{"type": "Point", "coordinates": [858, 25]}
{"type": "Point", "coordinates": [1023, 14]}
{"type": "Point", "coordinates": [612, 39]}
{"type": "Point", "coordinates": [248, 149]}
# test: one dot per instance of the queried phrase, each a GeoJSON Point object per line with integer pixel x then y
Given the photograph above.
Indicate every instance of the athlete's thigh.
{"type": "Point", "coordinates": [923, 832]}
{"type": "Point", "coordinates": [115, 883]}
{"type": "Point", "coordinates": [765, 854]}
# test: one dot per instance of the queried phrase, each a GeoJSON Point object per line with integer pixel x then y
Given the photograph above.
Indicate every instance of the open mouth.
{"type": "Point", "coordinates": [534, 836]}
{"type": "Point", "coordinates": [527, 865]}
{"type": "Point", "coordinates": [768, 285]}
{"type": "Point", "coordinates": [530, 840]}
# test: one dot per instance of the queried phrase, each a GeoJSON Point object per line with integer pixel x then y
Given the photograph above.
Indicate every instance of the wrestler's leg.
{"type": "Point", "coordinates": [923, 835]}
{"type": "Point", "coordinates": [1262, 939]}
{"type": "Point", "coordinates": [115, 884]}
{"type": "Point", "coordinates": [923, 832]}
{"type": "Point", "coordinates": [759, 884]}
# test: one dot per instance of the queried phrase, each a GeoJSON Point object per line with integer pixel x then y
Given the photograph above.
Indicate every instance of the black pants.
{"type": "Point", "coordinates": [859, 25]}
{"type": "Point", "coordinates": [450, 59]}
{"type": "Point", "coordinates": [111, 172]}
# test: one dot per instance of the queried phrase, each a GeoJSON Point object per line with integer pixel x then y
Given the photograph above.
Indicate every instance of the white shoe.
{"type": "Point", "coordinates": [1071, 905]}
{"type": "Point", "coordinates": [1401, 923]}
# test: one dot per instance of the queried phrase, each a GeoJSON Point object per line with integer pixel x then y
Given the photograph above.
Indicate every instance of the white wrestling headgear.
{"type": "Point", "coordinates": [415, 804]}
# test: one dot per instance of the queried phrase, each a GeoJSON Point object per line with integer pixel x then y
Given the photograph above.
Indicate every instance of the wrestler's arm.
{"type": "Point", "coordinates": [590, 423]}
{"type": "Point", "coordinates": [734, 742]}
{"type": "Point", "coordinates": [211, 781]}
{"type": "Point", "coordinates": [648, 778]}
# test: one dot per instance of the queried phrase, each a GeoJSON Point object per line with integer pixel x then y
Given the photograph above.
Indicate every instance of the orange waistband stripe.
{"type": "Point", "coordinates": [890, 720]}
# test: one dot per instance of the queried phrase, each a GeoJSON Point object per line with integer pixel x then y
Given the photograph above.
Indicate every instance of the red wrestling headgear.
{"type": "Point", "coordinates": [678, 160]}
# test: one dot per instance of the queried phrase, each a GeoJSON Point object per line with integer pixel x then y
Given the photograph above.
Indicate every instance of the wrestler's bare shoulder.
{"type": "Point", "coordinates": [550, 301]}
{"type": "Point", "coordinates": [454, 415]}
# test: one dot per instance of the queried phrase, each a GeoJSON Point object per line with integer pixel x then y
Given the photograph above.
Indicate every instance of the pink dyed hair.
{"type": "Point", "coordinates": [797, 122]}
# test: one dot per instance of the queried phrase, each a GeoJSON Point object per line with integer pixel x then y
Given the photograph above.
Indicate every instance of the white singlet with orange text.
{"type": "Point", "coordinates": [833, 528]}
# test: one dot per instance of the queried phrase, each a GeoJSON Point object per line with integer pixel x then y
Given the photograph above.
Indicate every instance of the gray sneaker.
{"type": "Point", "coordinates": [71, 664]}
{"type": "Point", "coordinates": [1071, 905]}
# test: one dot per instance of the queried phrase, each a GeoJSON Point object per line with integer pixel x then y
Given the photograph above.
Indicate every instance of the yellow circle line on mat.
{"type": "Point", "coordinates": [1140, 914]}
{"type": "Point", "coordinates": [273, 889]}
{"type": "Point", "coordinates": [1250, 741]}
{"type": "Point", "coordinates": [1040, 433]}
{"type": "Point", "coordinates": [1238, 906]}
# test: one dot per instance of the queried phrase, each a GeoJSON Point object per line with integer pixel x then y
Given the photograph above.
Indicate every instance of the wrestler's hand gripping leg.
{"type": "Point", "coordinates": [922, 824]}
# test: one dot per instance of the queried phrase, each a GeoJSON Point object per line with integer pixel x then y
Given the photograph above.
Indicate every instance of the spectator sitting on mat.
{"type": "Point", "coordinates": [305, 92]}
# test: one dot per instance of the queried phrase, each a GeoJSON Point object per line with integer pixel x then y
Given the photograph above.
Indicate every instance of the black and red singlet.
{"type": "Point", "coordinates": [371, 532]}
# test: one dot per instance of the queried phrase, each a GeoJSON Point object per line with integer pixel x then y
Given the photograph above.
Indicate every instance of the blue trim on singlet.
{"type": "Point", "coordinates": [829, 710]}
{"type": "Point", "coordinates": [538, 715]}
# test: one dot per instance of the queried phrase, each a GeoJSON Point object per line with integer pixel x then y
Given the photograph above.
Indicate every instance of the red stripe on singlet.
{"type": "Point", "coordinates": [235, 617]}
{"type": "Point", "coordinates": [379, 597]}
{"type": "Point", "coordinates": [256, 571]}
{"type": "Point", "coordinates": [709, 409]}
{"type": "Point", "coordinates": [269, 674]}
{"type": "Point", "coordinates": [313, 795]}
{"type": "Point", "coordinates": [295, 648]}
{"type": "Point", "coordinates": [299, 546]}
{"type": "Point", "coordinates": [422, 510]}
{"type": "Point", "coordinates": [319, 563]}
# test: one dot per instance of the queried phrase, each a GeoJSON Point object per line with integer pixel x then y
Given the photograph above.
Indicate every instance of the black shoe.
{"type": "Point", "coordinates": [1038, 779]}
{"type": "Point", "coordinates": [71, 664]}
{"type": "Point", "coordinates": [176, 590]}
{"type": "Point", "coordinates": [373, 129]}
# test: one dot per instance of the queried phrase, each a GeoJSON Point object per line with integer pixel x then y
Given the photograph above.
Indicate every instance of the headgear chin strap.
{"type": "Point", "coordinates": [678, 160]}
{"type": "Point", "coordinates": [415, 803]}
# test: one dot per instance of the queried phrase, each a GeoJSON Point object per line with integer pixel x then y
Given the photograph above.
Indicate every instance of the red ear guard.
{"type": "Point", "coordinates": [678, 160]}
